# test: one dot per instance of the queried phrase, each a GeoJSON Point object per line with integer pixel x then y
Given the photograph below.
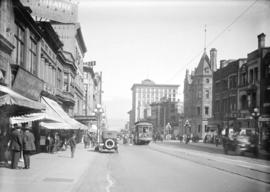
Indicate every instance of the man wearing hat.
{"type": "Point", "coordinates": [15, 146]}
{"type": "Point", "coordinates": [28, 146]}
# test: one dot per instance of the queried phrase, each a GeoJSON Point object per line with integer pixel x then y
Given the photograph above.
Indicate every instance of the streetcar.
{"type": "Point", "coordinates": [142, 133]}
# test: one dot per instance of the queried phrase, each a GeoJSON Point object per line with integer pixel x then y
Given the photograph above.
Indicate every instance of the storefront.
{"type": "Point", "coordinates": [15, 104]}
{"type": "Point", "coordinates": [264, 126]}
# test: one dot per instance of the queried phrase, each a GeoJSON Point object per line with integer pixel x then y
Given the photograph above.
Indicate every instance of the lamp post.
{"type": "Point", "coordinates": [256, 114]}
{"type": "Point", "coordinates": [98, 111]}
{"type": "Point", "coordinates": [186, 125]}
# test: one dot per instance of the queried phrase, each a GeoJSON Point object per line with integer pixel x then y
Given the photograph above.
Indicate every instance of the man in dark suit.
{"type": "Point", "coordinates": [15, 146]}
{"type": "Point", "coordinates": [28, 146]}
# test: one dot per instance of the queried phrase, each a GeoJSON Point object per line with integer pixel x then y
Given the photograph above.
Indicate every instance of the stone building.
{"type": "Point", "coordinates": [198, 95]}
{"type": "Point", "coordinates": [165, 117]}
{"type": "Point", "coordinates": [146, 93]}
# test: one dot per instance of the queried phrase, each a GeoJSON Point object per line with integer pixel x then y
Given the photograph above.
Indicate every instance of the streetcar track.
{"type": "Point", "coordinates": [215, 167]}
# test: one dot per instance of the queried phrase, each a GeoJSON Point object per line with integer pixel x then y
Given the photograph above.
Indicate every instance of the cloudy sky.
{"type": "Point", "coordinates": [132, 40]}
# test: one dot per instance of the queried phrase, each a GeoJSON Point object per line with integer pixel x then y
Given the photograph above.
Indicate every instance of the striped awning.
{"type": "Point", "coordinates": [57, 111]}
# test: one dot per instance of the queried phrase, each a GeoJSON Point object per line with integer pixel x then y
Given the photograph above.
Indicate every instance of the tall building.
{"type": "Point", "coordinates": [148, 92]}
{"type": "Point", "coordinates": [198, 95]}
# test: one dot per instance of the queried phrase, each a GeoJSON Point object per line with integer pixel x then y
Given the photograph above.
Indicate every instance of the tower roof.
{"type": "Point", "coordinates": [204, 61]}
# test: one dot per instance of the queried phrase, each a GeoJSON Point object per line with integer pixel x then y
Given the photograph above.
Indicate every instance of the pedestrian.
{"type": "Point", "coordinates": [49, 143]}
{"type": "Point", "coordinates": [56, 142]}
{"type": "Point", "coordinates": [86, 140]}
{"type": "Point", "coordinates": [72, 144]}
{"type": "Point", "coordinates": [28, 146]}
{"type": "Point", "coordinates": [15, 146]}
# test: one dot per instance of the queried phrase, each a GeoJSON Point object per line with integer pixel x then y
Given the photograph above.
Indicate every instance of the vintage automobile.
{"type": "Point", "coordinates": [241, 142]}
{"type": "Point", "coordinates": [108, 141]}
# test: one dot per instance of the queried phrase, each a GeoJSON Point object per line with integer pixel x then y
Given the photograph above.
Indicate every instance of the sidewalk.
{"type": "Point", "coordinates": [48, 172]}
{"type": "Point", "coordinates": [262, 153]}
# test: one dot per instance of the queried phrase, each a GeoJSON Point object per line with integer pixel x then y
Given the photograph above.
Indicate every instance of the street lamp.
{"type": "Point", "coordinates": [187, 125]}
{"type": "Point", "coordinates": [256, 115]}
{"type": "Point", "coordinates": [98, 111]}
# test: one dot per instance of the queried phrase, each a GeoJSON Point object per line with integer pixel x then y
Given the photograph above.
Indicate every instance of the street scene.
{"type": "Point", "coordinates": [134, 95]}
{"type": "Point", "coordinates": [157, 167]}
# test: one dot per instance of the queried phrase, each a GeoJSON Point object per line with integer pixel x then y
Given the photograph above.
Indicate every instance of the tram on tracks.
{"type": "Point", "coordinates": [143, 133]}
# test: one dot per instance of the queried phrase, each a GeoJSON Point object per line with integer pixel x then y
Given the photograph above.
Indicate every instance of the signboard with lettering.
{"type": "Point", "coordinates": [64, 11]}
{"type": "Point", "coordinates": [27, 84]}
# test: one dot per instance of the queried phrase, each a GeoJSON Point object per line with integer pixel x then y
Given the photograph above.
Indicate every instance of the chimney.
{"type": "Point", "coordinates": [213, 59]}
{"type": "Point", "coordinates": [222, 63]}
{"type": "Point", "coordinates": [261, 41]}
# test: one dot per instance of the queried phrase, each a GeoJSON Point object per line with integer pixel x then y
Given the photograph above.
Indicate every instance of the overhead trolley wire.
{"type": "Point", "coordinates": [215, 39]}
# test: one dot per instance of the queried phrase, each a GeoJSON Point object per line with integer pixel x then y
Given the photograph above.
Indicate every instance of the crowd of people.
{"type": "Point", "coordinates": [19, 142]}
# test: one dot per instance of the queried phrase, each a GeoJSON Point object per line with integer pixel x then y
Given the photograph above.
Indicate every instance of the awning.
{"type": "Point", "coordinates": [27, 118]}
{"type": "Point", "coordinates": [52, 125]}
{"type": "Point", "coordinates": [57, 110]}
{"type": "Point", "coordinates": [10, 97]}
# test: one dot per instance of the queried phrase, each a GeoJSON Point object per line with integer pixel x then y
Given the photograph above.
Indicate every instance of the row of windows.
{"type": "Point", "coordinates": [227, 83]}
{"type": "Point", "coordinates": [144, 95]}
{"type": "Point", "coordinates": [226, 105]}
{"type": "Point", "coordinates": [206, 129]}
{"type": "Point", "coordinates": [148, 102]}
{"type": "Point", "coordinates": [155, 90]}
{"type": "Point", "coordinates": [206, 110]}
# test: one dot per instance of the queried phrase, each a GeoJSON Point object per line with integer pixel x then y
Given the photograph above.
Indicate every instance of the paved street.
{"type": "Point", "coordinates": [156, 167]}
{"type": "Point", "coordinates": [159, 168]}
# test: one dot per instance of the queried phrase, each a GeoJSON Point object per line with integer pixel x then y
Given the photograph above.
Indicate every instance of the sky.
{"type": "Point", "coordinates": [133, 40]}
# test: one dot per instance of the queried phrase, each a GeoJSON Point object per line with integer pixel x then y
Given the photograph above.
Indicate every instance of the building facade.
{"type": "Point", "coordinates": [71, 36]}
{"type": "Point", "coordinates": [198, 95]}
{"type": "Point", "coordinates": [254, 91]}
{"type": "Point", "coordinates": [225, 95]}
{"type": "Point", "coordinates": [165, 117]}
{"type": "Point", "coordinates": [146, 93]}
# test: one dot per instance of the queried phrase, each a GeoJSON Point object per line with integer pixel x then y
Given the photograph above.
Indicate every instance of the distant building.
{"type": "Point", "coordinates": [198, 95]}
{"type": "Point", "coordinates": [146, 93]}
{"type": "Point", "coordinates": [164, 113]}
